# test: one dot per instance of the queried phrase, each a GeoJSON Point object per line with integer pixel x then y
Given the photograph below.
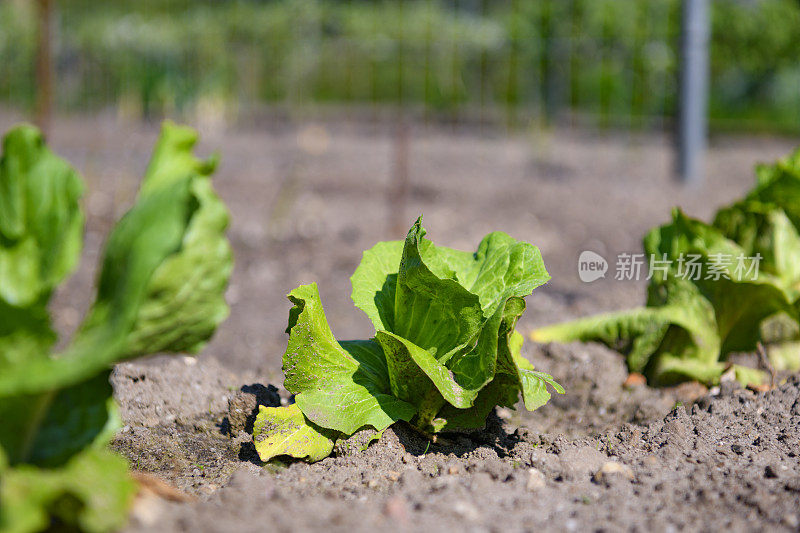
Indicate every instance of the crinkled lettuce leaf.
{"type": "Point", "coordinates": [445, 351]}
{"type": "Point", "coordinates": [41, 222]}
{"type": "Point", "coordinates": [41, 226]}
{"type": "Point", "coordinates": [164, 270]}
{"type": "Point", "coordinates": [340, 386]}
{"type": "Point", "coordinates": [184, 301]}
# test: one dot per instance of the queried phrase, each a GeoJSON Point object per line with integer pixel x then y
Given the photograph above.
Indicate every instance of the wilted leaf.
{"type": "Point", "coordinates": [285, 431]}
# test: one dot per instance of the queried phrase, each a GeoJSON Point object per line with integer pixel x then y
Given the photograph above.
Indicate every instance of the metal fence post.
{"type": "Point", "coordinates": [692, 121]}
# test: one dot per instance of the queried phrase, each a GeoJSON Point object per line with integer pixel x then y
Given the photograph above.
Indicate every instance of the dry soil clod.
{"type": "Point", "coordinates": [611, 470]}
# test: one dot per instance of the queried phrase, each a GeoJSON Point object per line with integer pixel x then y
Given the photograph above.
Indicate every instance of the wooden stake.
{"type": "Point", "coordinates": [398, 191]}
{"type": "Point", "coordinates": [44, 65]}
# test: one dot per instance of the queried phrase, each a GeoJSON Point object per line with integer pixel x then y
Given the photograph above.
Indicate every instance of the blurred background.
{"type": "Point", "coordinates": [598, 63]}
{"type": "Point", "coordinates": [340, 121]}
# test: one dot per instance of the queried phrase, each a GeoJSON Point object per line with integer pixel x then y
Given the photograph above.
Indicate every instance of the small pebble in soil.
{"type": "Point", "coordinates": [396, 508]}
{"type": "Point", "coordinates": [536, 480]}
{"type": "Point", "coordinates": [791, 521]}
{"type": "Point", "coordinates": [504, 413]}
{"type": "Point", "coordinates": [466, 510]}
{"type": "Point", "coordinates": [650, 460]}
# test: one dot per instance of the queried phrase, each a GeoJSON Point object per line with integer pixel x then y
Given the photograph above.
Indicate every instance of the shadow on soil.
{"type": "Point", "coordinates": [244, 407]}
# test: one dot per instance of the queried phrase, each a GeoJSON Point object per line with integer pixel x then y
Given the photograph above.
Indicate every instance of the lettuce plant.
{"type": "Point", "coordinates": [160, 288]}
{"type": "Point", "coordinates": [444, 354]}
{"type": "Point", "coordinates": [689, 326]}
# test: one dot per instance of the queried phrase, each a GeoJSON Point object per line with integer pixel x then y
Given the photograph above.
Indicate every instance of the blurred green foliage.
{"type": "Point", "coordinates": [613, 59]}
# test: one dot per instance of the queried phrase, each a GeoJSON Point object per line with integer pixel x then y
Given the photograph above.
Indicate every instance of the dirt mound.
{"type": "Point", "coordinates": [728, 460]}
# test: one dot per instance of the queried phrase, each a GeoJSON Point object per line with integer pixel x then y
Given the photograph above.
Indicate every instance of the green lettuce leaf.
{"type": "Point", "coordinates": [25, 334]}
{"type": "Point", "coordinates": [184, 301]}
{"type": "Point", "coordinates": [340, 386]}
{"type": "Point", "coordinates": [532, 383]}
{"type": "Point", "coordinates": [41, 222]}
{"type": "Point", "coordinates": [687, 324]}
{"type": "Point", "coordinates": [91, 493]}
{"type": "Point", "coordinates": [156, 289]}
{"type": "Point", "coordinates": [445, 351]}
{"type": "Point", "coordinates": [785, 356]}
{"type": "Point", "coordinates": [41, 226]}
{"type": "Point", "coordinates": [514, 375]}
{"type": "Point", "coordinates": [47, 429]}
{"type": "Point", "coordinates": [163, 274]}
{"type": "Point", "coordinates": [435, 313]}
{"type": "Point", "coordinates": [690, 325]}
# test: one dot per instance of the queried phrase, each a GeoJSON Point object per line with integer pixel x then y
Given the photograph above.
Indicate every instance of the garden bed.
{"type": "Point", "coordinates": [680, 457]}
{"type": "Point", "coordinates": [727, 460]}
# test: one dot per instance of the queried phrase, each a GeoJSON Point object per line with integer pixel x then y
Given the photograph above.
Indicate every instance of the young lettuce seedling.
{"type": "Point", "coordinates": [444, 354]}
{"type": "Point", "coordinates": [746, 290]}
{"type": "Point", "coordinates": [164, 270]}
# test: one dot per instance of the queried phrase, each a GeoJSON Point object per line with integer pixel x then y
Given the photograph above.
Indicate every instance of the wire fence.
{"type": "Point", "coordinates": [603, 63]}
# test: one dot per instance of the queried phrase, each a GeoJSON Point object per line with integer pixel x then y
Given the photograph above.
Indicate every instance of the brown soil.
{"type": "Point", "coordinates": [306, 200]}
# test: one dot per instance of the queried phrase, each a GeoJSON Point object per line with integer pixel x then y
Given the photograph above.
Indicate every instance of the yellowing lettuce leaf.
{"type": "Point", "coordinates": [285, 431]}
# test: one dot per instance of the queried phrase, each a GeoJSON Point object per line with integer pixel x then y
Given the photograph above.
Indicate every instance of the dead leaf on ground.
{"type": "Point", "coordinates": [155, 486]}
